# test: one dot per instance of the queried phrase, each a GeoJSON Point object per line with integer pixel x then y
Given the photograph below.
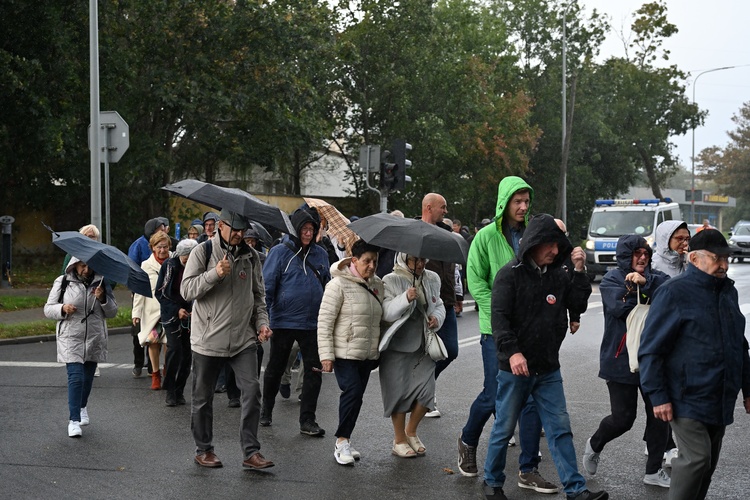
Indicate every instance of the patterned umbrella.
{"type": "Point", "coordinates": [337, 223]}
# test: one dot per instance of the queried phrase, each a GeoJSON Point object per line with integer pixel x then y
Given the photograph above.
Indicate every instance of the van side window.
{"type": "Point", "coordinates": [668, 215]}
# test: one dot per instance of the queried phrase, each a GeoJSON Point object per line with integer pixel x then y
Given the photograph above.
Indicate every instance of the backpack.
{"type": "Point", "coordinates": [635, 322]}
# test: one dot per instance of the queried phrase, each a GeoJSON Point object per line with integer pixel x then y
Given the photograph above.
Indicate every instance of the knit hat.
{"type": "Point", "coordinates": [184, 247]}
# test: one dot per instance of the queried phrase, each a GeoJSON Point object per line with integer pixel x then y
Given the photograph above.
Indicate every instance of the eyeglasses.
{"type": "Point", "coordinates": [714, 258]}
{"type": "Point", "coordinates": [640, 252]}
{"type": "Point", "coordinates": [307, 230]}
{"type": "Point", "coordinates": [681, 239]}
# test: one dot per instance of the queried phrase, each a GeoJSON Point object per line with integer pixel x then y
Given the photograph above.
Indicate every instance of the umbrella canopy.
{"type": "Point", "coordinates": [412, 236]}
{"type": "Point", "coordinates": [105, 260]}
{"type": "Point", "coordinates": [337, 223]}
{"type": "Point", "coordinates": [235, 200]}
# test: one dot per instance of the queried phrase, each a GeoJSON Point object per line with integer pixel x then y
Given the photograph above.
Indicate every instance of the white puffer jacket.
{"type": "Point", "coordinates": [349, 317]}
{"type": "Point", "coordinates": [78, 342]}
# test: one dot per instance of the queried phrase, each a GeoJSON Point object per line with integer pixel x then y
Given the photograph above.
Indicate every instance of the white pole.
{"type": "Point", "coordinates": [96, 181]}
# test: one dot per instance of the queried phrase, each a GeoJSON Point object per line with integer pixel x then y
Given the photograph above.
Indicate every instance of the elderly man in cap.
{"type": "Point", "coordinates": [694, 360]}
{"type": "Point", "coordinates": [223, 277]}
{"type": "Point", "coordinates": [210, 219]}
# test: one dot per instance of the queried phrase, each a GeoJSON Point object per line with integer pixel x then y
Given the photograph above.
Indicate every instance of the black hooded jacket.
{"type": "Point", "coordinates": [530, 307]}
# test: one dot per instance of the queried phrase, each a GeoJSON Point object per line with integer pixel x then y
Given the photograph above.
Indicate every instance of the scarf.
{"type": "Point", "coordinates": [402, 269]}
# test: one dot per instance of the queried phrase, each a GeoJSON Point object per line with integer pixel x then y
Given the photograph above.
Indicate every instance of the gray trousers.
{"type": "Point", "coordinates": [699, 448]}
{"type": "Point", "coordinates": [205, 372]}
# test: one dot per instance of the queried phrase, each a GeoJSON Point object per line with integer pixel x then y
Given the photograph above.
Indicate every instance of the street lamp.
{"type": "Point", "coordinates": [692, 154]}
{"type": "Point", "coordinates": [564, 168]}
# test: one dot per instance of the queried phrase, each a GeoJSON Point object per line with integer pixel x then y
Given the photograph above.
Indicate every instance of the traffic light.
{"type": "Point", "coordinates": [387, 174]}
{"type": "Point", "coordinates": [400, 150]}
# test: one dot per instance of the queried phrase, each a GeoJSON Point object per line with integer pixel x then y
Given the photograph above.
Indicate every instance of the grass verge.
{"type": "Point", "coordinates": [15, 303]}
{"type": "Point", "coordinates": [46, 327]}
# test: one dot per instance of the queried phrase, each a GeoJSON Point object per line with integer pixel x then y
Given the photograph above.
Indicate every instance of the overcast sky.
{"type": "Point", "coordinates": [711, 34]}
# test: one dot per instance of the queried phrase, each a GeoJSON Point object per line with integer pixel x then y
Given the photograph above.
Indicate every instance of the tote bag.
{"type": "Point", "coordinates": [634, 324]}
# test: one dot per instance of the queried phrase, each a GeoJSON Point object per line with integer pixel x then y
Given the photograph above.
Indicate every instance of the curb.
{"type": "Point", "coordinates": [51, 337]}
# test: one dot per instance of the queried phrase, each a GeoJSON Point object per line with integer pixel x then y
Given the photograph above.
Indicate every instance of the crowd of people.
{"type": "Point", "coordinates": [220, 294]}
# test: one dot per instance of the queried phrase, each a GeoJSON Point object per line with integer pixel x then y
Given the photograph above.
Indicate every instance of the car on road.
{"type": "Point", "coordinates": [740, 240]}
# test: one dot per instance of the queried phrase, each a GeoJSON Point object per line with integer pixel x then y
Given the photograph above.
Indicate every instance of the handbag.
{"type": "Point", "coordinates": [634, 323]}
{"type": "Point", "coordinates": [433, 344]}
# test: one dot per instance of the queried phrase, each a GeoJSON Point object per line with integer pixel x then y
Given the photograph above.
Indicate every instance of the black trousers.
{"type": "Point", "coordinates": [281, 345]}
{"type": "Point", "coordinates": [178, 359]}
{"type": "Point", "coordinates": [623, 400]}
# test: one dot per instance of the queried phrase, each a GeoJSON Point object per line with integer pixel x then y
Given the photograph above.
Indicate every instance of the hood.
{"type": "Point", "coordinates": [302, 216]}
{"type": "Point", "coordinates": [542, 228]}
{"type": "Point", "coordinates": [664, 232]}
{"type": "Point", "coordinates": [626, 245]}
{"type": "Point", "coordinates": [72, 264]}
{"type": "Point", "coordinates": [505, 191]}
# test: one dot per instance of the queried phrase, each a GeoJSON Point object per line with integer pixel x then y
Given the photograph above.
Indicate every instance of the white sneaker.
{"type": "Point", "coordinates": [660, 478]}
{"type": "Point", "coordinates": [668, 456]}
{"type": "Point", "coordinates": [512, 442]}
{"type": "Point", "coordinates": [434, 413]}
{"type": "Point", "coordinates": [84, 416]}
{"type": "Point", "coordinates": [97, 373]}
{"type": "Point", "coordinates": [74, 429]}
{"type": "Point", "coordinates": [590, 459]}
{"type": "Point", "coordinates": [343, 453]}
{"type": "Point", "coordinates": [355, 454]}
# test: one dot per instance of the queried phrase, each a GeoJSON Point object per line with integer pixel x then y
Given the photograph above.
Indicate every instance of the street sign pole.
{"type": "Point", "coordinates": [106, 128]}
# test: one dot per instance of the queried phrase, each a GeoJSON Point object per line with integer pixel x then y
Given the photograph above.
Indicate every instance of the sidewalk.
{"type": "Point", "coordinates": [122, 297]}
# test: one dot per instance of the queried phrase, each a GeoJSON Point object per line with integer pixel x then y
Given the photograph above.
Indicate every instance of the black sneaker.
{"type": "Point", "coordinates": [467, 459]}
{"type": "Point", "coordinates": [491, 493]}
{"type": "Point", "coordinates": [181, 400]}
{"type": "Point", "coordinates": [234, 403]}
{"type": "Point", "coordinates": [311, 428]}
{"type": "Point", "coordinates": [532, 480]}
{"type": "Point", "coordinates": [285, 390]}
{"type": "Point", "coordinates": [265, 417]}
{"type": "Point", "coordinates": [171, 399]}
{"type": "Point", "coordinates": [589, 495]}
{"type": "Point", "coordinates": [137, 370]}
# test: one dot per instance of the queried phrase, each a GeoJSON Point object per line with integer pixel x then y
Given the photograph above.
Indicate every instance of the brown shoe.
{"type": "Point", "coordinates": [155, 381]}
{"type": "Point", "coordinates": [208, 459]}
{"type": "Point", "coordinates": [257, 461]}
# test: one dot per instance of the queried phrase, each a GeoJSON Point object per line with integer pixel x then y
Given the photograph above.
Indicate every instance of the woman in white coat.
{"type": "Point", "coordinates": [147, 310]}
{"type": "Point", "coordinates": [407, 373]}
{"type": "Point", "coordinates": [348, 336]}
{"type": "Point", "coordinates": [80, 302]}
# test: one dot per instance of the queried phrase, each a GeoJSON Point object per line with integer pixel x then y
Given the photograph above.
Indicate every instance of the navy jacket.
{"type": "Point", "coordinates": [529, 308]}
{"type": "Point", "coordinates": [293, 290]}
{"type": "Point", "coordinates": [617, 302]}
{"type": "Point", "coordinates": [168, 291]}
{"type": "Point", "coordinates": [693, 350]}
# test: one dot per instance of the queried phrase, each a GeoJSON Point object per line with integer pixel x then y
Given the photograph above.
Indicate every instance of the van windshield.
{"type": "Point", "coordinates": [616, 224]}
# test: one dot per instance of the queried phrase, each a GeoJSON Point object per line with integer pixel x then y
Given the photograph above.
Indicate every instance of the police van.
{"type": "Point", "coordinates": [614, 218]}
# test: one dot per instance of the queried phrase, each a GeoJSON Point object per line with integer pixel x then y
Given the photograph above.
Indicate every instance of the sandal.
{"type": "Point", "coordinates": [416, 445]}
{"type": "Point", "coordinates": [403, 450]}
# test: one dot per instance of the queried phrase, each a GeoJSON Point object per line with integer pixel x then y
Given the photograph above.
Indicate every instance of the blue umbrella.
{"type": "Point", "coordinates": [105, 260]}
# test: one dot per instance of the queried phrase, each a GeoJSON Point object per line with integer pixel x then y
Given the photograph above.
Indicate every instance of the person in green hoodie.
{"type": "Point", "coordinates": [494, 246]}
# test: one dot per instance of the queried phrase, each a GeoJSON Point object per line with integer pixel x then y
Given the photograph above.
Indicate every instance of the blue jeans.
{"type": "Point", "coordinates": [547, 390]}
{"type": "Point", "coordinates": [80, 380]}
{"type": "Point", "coordinates": [449, 335]}
{"type": "Point", "coordinates": [529, 425]}
{"type": "Point", "coordinates": [352, 376]}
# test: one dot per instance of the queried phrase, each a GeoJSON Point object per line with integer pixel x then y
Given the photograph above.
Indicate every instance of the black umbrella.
{"type": "Point", "coordinates": [235, 200]}
{"type": "Point", "coordinates": [105, 260]}
{"type": "Point", "coordinates": [412, 236]}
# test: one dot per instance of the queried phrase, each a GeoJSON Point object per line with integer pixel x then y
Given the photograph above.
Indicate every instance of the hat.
{"type": "Point", "coordinates": [151, 226]}
{"type": "Point", "coordinates": [163, 220]}
{"type": "Point", "coordinates": [710, 240]}
{"type": "Point", "coordinates": [251, 233]}
{"type": "Point", "coordinates": [211, 216]}
{"type": "Point", "coordinates": [196, 222]}
{"type": "Point", "coordinates": [235, 220]}
{"type": "Point", "coordinates": [184, 247]}
{"type": "Point", "coordinates": [484, 222]}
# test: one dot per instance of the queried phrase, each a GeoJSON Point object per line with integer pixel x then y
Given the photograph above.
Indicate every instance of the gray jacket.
{"type": "Point", "coordinates": [227, 312]}
{"type": "Point", "coordinates": [666, 260]}
{"type": "Point", "coordinates": [78, 342]}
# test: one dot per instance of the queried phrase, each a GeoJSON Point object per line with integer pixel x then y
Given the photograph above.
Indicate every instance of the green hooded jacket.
{"type": "Point", "coordinates": [490, 251]}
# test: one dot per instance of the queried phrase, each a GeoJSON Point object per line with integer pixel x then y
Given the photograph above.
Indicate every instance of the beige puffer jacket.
{"type": "Point", "coordinates": [349, 317]}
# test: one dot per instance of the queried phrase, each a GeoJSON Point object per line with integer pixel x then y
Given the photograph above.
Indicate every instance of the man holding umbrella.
{"type": "Point", "coordinates": [223, 276]}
